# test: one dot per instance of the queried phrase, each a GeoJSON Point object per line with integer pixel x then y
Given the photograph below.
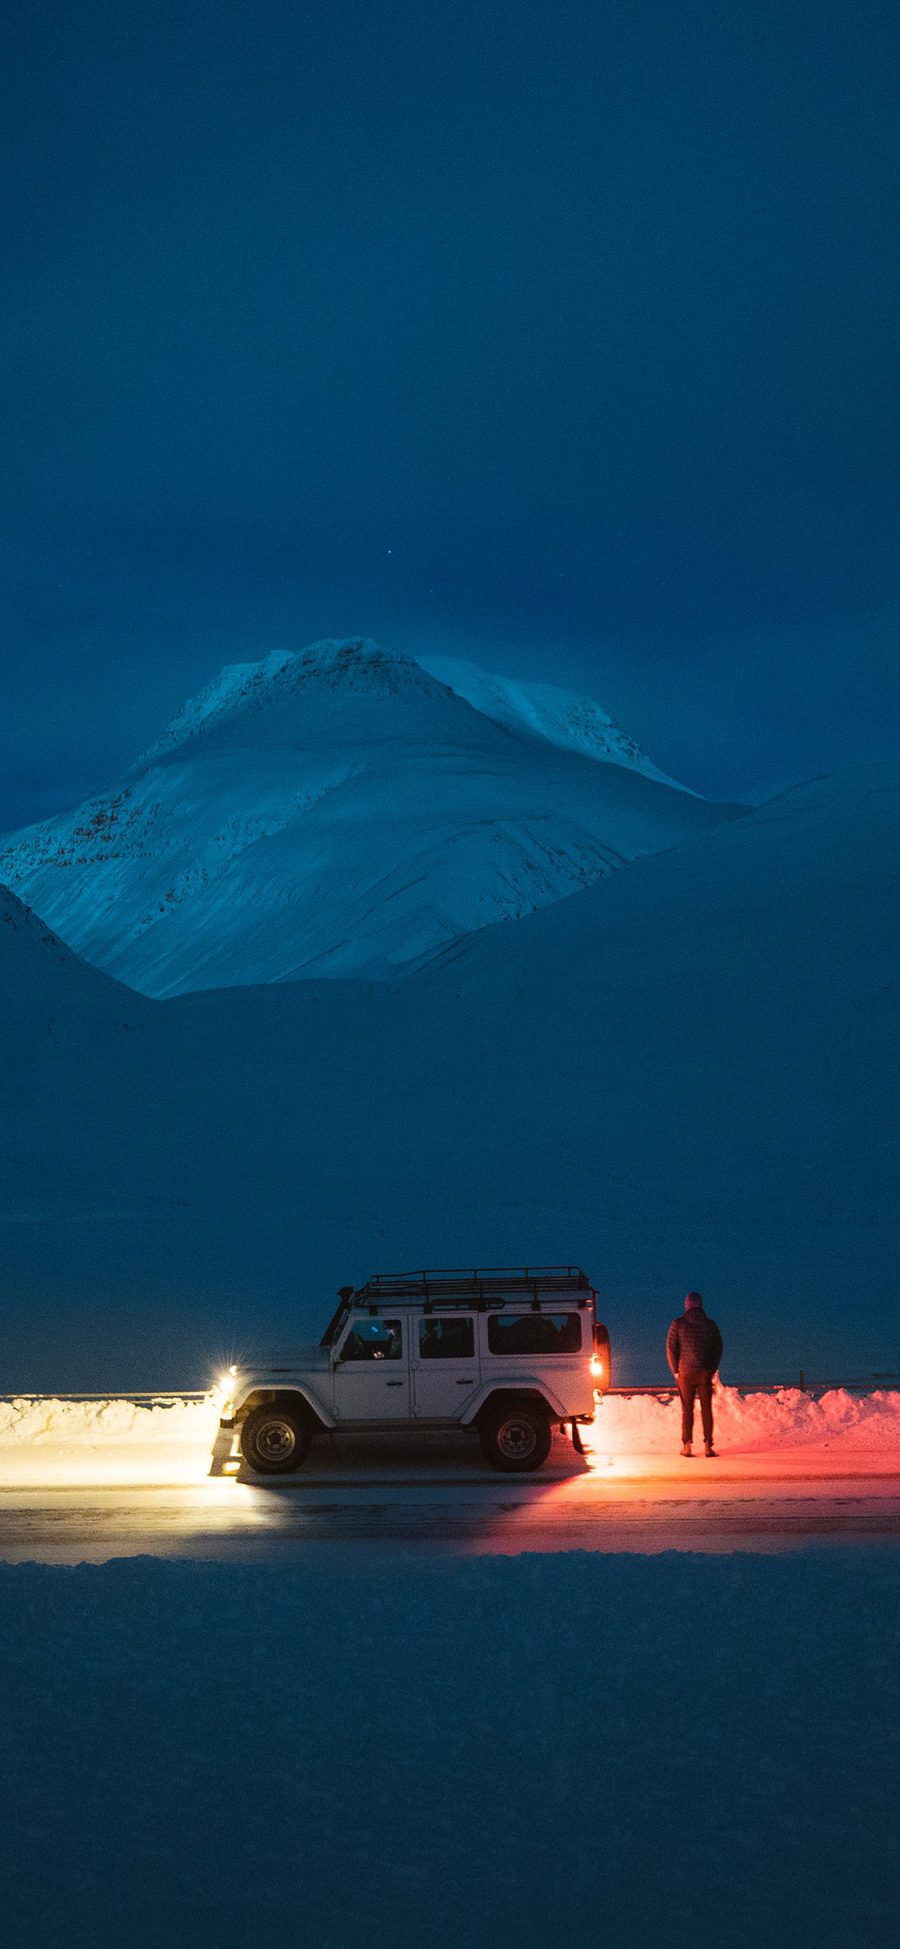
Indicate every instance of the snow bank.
{"type": "Point", "coordinates": [747, 1423]}
{"type": "Point", "coordinates": [46, 1419]}
{"type": "Point", "coordinates": [46, 1440]}
{"type": "Point", "coordinates": [505, 1754]}
{"type": "Point", "coordinates": [59, 1442]}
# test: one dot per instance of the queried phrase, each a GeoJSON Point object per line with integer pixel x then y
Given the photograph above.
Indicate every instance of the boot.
{"type": "Point", "coordinates": [709, 1448]}
{"type": "Point", "coordinates": [686, 1448]}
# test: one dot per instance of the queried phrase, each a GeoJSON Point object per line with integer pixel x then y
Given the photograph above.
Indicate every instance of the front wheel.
{"type": "Point", "coordinates": [275, 1440]}
{"type": "Point", "coordinates": [515, 1439]}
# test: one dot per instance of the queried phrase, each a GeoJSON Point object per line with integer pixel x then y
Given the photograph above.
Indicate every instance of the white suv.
{"type": "Point", "coordinates": [508, 1352]}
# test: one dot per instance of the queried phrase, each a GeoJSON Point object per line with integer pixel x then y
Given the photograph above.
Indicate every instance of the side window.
{"type": "Point", "coordinates": [446, 1339]}
{"type": "Point", "coordinates": [543, 1333]}
{"type": "Point", "coordinates": [373, 1340]}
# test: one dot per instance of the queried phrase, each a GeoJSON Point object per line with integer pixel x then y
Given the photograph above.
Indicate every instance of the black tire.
{"type": "Point", "coordinates": [515, 1438]}
{"type": "Point", "coordinates": [275, 1439]}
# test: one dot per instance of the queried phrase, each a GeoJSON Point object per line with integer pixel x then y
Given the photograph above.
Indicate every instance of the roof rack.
{"type": "Point", "coordinates": [482, 1287]}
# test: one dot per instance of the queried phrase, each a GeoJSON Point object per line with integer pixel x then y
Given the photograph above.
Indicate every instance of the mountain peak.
{"type": "Point", "coordinates": [286, 684]}
{"type": "Point", "coordinates": [359, 662]}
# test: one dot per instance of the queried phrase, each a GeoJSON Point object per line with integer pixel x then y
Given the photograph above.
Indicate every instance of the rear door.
{"type": "Point", "coordinates": [371, 1370]}
{"type": "Point", "coordinates": [554, 1346]}
{"type": "Point", "coordinates": [444, 1364]}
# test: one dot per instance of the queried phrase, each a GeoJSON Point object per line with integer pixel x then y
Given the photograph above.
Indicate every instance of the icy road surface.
{"type": "Point", "coordinates": [439, 1499]}
{"type": "Point", "coordinates": [90, 1480]}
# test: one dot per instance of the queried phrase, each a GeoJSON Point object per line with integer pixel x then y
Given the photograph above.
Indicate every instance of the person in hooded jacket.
{"type": "Point", "coordinates": [693, 1351]}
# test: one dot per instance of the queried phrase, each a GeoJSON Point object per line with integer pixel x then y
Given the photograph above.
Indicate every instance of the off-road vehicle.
{"type": "Point", "coordinates": [509, 1352]}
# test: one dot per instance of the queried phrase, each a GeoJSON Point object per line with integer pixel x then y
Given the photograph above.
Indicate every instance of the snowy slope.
{"type": "Point", "coordinates": [337, 812]}
{"type": "Point", "coordinates": [686, 1077]}
{"type": "Point", "coordinates": [544, 712]}
{"type": "Point", "coordinates": [43, 982]}
{"type": "Point", "coordinates": [811, 871]}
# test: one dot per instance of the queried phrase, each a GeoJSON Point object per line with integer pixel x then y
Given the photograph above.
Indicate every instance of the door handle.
{"type": "Point", "coordinates": [394, 1383]}
{"type": "Point", "coordinates": [467, 1382]}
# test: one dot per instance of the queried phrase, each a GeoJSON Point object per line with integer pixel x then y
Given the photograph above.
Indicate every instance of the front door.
{"type": "Point", "coordinates": [371, 1371]}
{"type": "Point", "coordinates": [445, 1365]}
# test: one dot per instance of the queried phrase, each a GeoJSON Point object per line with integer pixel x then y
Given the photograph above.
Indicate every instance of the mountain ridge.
{"type": "Point", "coordinates": [549, 713]}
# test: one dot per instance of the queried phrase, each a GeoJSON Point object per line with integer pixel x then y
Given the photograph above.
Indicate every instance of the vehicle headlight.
{"type": "Point", "coordinates": [225, 1388]}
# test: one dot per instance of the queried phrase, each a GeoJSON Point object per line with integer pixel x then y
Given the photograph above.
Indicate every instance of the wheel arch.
{"type": "Point", "coordinates": [508, 1397]}
{"type": "Point", "coordinates": [287, 1398]}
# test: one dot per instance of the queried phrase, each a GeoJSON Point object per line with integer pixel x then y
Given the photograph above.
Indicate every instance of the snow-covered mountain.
{"type": "Point", "coordinates": [343, 811]}
{"type": "Point", "coordinates": [686, 1077]}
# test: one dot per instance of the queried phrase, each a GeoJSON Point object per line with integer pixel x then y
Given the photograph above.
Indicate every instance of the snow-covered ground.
{"type": "Point", "coordinates": [48, 1442]}
{"type": "Point", "coordinates": [341, 812]}
{"type": "Point", "coordinates": [481, 1754]}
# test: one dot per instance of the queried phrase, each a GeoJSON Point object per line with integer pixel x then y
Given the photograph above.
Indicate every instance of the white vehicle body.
{"type": "Point", "coordinates": [438, 1350]}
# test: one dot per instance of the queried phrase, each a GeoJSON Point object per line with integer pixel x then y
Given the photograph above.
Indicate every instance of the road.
{"type": "Point", "coordinates": [449, 1504]}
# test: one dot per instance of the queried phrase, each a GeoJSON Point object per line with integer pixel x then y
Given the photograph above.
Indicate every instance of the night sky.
{"type": "Point", "coordinates": [560, 336]}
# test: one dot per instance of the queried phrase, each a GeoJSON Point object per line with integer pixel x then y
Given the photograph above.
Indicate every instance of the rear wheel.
{"type": "Point", "coordinates": [515, 1439]}
{"type": "Point", "coordinates": [275, 1440]}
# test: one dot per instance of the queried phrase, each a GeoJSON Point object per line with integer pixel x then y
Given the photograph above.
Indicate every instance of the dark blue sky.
{"type": "Point", "coordinates": [559, 336]}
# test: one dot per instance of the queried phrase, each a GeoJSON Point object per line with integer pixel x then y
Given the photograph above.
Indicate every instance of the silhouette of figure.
{"type": "Point", "coordinates": [693, 1351]}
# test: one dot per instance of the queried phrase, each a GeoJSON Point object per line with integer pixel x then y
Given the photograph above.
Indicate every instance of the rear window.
{"type": "Point", "coordinates": [534, 1333]}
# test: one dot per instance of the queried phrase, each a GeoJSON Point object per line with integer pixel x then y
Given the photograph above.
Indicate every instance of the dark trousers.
{"type": "Point", "coordinates": [701, 1387]}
